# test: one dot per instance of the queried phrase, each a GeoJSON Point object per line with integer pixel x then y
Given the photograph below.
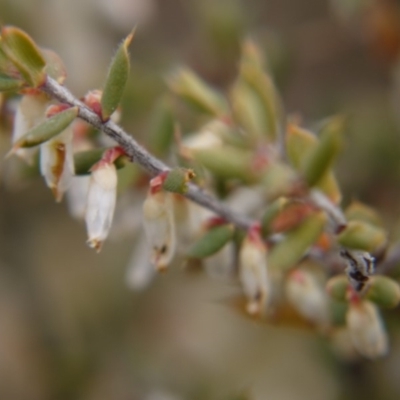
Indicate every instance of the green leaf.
{"type": "Point", "coordinates": [361, 212]}
{"type": "Point", "coordinates": [10, 84]}
{"type": "Point", "coordinates": [23, 52]}
{"type": "Point", "coordinates": [212, 241]}
{"type": "Point", "coordinates": [289, 252]}
{"type": "Point", "coordinates": [162, 127]}
{"type": "Point", "coordinates": [227, 162]}
{"type": "Point", "coordinates": [187, 85]}
{"type": "Point", "coordinates": [271, 212]}
{"type": "Point", "coordinates": [383, 291]}
{"type": "Point", "coordinates": [320, 159]}
{"type": "Point", "coordinates": [84, 160]}
{"type": "Point", "coordinates": [177, 180]}
{"type": "Point", "coordinates": [300, 144]}
{"type": "Point", "coordinates": [49, 128]}
{"type": "Point", "coordinates": [360, 235]}
{"type": "Point", "coordinates": [337, 287]}
{"type": "Point", "coordinates": [116, 79]}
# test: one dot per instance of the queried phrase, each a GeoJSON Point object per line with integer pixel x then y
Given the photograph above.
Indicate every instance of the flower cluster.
{"type": "Point", "coordinates": [280, 234]}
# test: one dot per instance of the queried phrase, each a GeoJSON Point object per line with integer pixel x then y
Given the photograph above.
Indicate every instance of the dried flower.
{"type": "Point", "coordinates": [57, 162]}
{"type": "Point", "coordinates": [253, 271]}
{"type": "Point", "coordinates": [159, 224]}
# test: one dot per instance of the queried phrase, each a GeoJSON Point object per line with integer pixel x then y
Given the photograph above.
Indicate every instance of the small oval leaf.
{"type": "Point", "coordinates": [337, 287]}
{"type": "Point", "coordinates": [49, 128]}
{"type": "Point", "coordinates": [360, 235]}
{"type": "Point", "coordinates": [271, 212]}
{"type": "Point", "coordinates": [177, 180]}
{"type": "Point", "coordinates": [320, 159]}
{"type": "Point", "coordinates": [289, 252]}
{"type": "Point", "coordinates": [10, 84]}
{"type": "Point", "coordinates": [186, 84]}
{"type": "Point", "coordinates": [116, 79]}
{"type": "Point", "coordinates": [212, 241]}
{"type": "Point", "coordinates": [383, 291]}
{"type": "Point", "coordinates": [23, 52]}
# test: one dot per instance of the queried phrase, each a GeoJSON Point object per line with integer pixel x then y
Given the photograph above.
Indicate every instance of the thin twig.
{"type": "Point", "coordinates": [140, 155]}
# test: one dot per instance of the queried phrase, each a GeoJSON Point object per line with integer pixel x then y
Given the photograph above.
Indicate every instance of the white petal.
{"type": "Point", "coordinates": [308, 297]}
{"type": "Point", "coordinates": [77, 196]}
{"type": "Point", "coordinates": [159, 225]}
{"type": "Point", "coordinates": [254, 276]}
{"type": "Point", "coordinates": [101, 204]}
{"type": "Point", "coordinates": [366, 329]}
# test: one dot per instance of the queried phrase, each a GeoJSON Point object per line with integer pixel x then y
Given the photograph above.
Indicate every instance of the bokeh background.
{"type": "Point", "coordinates": [70, 326]}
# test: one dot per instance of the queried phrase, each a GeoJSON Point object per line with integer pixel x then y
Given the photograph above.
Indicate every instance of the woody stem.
{"type": "Point", "coordinates": [152, 165]}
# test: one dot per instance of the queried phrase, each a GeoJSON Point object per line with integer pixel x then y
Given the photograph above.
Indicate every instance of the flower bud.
{"type": "Point", "coordinates": [30, 112]}
{"type": "Point", "coordinates": [159, 226]}
{"type": "Point", "coordinates": [366, 329]}
{"type": "Point", "coordinates": [100, 202]}
{"type": "Point", "coordinates": [307, 296]}
{"type": "Point", "coordinates": [57, 162]}
{"type": "Point", "coordinates": [253, 272]}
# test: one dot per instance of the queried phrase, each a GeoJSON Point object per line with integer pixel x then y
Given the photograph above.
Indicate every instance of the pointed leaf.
{"type": "Point", "coordinates": [358, 211]}
{"type": "Point", "coordinates": [383, 291]}
{"type": "Point", "coordinates": [24, 54]}
{"type": "Point", "coordinates": [186, 84]}
{"type": "Point", "coordinates": [162, 127]}
{"type": "Point", "coordinates": [320, 159]}
{"type": "Point", "coordinates": [300, 144]}
{"type": "Point", "coordinates": [49, 128]}
{"type": "Point", "coordinates": [212, 241]}
{"type": "Point", "coordinates": [10, 84]}
{"type": "Point", "coordinates": [362, 236]}
{"type": "Point", "coordinates": [272, 211]}
{"type": "Point", "coordinates": [289, 252]}
{"type": "Point", "coordinates": [337, 287]}
{"type": "Point", "coordinates": [177, 180]}
{"type": "Point", "coordinates": [116, 79]}
{"type": "Point", "coordinates": [228, 162]}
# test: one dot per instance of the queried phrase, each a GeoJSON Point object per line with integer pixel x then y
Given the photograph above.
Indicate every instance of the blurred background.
{"type": "Point", "coordinates": [70, 327]}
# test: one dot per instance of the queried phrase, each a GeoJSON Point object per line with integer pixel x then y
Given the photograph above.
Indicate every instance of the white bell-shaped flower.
{"type": "Point", "coordinates": [30, 112]}
{"type": "Point", "coordinates": [366, 329]}
{"type": "Point", "coordinates": [57, 162]}
{"type": "Point", "coordinates": [159, 226]}
{"type": "Point", "coordinates": [100, 204]}
{"type": "Point", "coordinates": [253, 272]}
{"type": "Point", "coordinates": [308, 297]}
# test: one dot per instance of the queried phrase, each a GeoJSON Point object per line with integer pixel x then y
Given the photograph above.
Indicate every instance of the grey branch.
{"type": "Point", "coordinates": [140, 155]}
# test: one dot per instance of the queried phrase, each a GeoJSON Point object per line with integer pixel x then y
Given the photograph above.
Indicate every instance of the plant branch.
{"type": "Point", "coordinates": [139, 154]}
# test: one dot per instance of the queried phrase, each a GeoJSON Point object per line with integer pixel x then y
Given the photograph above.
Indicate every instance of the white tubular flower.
{"type": "Point", "coordinates": [159, 226]}
{"type": "Point", "coordinates": [77, 195]}
{"type": "Point", "coordinates": [308, 297]}
{"type": "Point", "coordinates": [221, 265]}
{"type": "Point", "coordinates": [253, 272]}
{"type": "Point", "coordinates": [57, 162]}
{"type": "Point", "coordinates": [100, 204]}
{"type": "Point", "coordinates": [30, 112]}
{"type": "Point", "coordinates": [366, 329]}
